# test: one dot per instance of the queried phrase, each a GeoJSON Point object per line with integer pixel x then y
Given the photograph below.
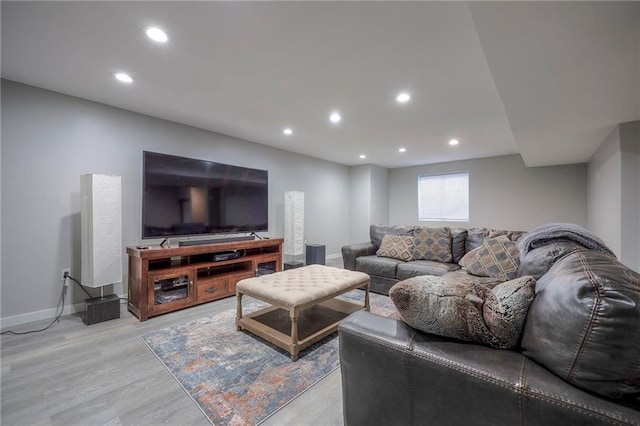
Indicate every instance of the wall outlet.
{"type": "Point", "coordinates": [64, 271]}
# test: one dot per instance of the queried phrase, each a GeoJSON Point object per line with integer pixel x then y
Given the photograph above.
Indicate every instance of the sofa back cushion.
{"type": "Point", "coordinates": [432, 244]}
{"type": "Point", "coordinates": [377, 232]}
{"type": "Point", "coordinates": [475, 236]}
{"type": "Point", "coordinates": [458, 243]}
{"type": "Point", "coordinates": [584, 324]}
{"type": "Point", "coordinates": [539, 260]}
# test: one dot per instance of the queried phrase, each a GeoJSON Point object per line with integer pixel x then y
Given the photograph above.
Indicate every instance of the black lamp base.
{"type": "Point", "coordinates": [100, 309]}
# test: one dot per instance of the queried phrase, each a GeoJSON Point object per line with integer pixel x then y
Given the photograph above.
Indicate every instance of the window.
{"type": "Point", "coordinates": [444, 197]}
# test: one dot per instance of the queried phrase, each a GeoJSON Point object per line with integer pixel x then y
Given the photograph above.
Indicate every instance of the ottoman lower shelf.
{"type": "Point", "coordinates": [314, 323]}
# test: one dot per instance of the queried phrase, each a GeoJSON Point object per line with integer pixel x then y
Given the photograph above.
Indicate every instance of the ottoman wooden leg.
{"type": "Point", "coordinates": [294, 349]}
{"type": "Point", "coordinates": [239, 312]}
{"type": "Point", "coordinates": [366, 298]}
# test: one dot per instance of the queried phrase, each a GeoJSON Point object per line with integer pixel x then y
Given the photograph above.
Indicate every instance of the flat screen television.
{"type": "Point", "coordinates": [185, 197]}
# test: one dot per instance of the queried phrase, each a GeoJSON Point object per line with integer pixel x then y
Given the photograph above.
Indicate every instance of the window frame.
{"type": "Point", "coordinates": [442, 219]}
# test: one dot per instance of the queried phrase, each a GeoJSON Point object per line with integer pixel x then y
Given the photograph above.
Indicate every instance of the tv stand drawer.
{"type": "Point", "coordinates": [213, 289]}
{"type": "Point", "coordinates": [235, 279]}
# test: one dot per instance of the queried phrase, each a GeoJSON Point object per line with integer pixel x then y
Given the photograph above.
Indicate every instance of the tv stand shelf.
{"type": "Point", "coordinates": [163, 280]}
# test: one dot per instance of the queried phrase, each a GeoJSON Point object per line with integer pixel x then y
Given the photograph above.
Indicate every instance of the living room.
{"type": "Point", "coordinates": [52, 135]}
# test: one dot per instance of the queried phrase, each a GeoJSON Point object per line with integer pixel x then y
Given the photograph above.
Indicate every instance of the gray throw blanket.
{"type": "Point", "coordinates": [545, 234]}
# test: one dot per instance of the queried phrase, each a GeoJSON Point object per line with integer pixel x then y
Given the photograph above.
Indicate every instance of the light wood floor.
{"type": "Point", "coordinates": [103, 374]}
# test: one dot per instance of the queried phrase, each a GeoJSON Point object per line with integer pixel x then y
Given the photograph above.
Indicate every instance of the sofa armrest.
{"type": "Point", "coordinates": [393, 374]}
{"type": "Point", "coordinates": [372, 363]}
{"type": "Point", "coordinates": [353, 251]}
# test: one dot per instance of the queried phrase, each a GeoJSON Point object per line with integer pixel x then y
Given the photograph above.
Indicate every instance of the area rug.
{"type": "Point", "coordinates": [236, 378]}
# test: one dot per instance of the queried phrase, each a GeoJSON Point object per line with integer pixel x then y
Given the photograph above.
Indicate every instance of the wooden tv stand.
{"type": "Point", "coordinates": [163, 280]}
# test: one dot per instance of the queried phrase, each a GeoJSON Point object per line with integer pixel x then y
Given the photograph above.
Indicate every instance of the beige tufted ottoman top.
{"type": "Point", "coordinates": [296, 287]}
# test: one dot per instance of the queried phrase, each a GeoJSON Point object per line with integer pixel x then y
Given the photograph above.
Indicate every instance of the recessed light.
{"type": "Point", "coordinates": [362, 156]}
{"type": "Point", "coordinates": [123, 77]}
{"type": "Point", "coordinates": [454, 142]}
{"type": "Point", "coordinates": [287, 131]}
{"type": "Point", "coordinates": [402, 150]}
{"type": "Point", "coordinates": [403, 97]}
{"type": "Point", "coordinates": [156, 34]}
{"type": "Point", "coordinates": [335, 117]}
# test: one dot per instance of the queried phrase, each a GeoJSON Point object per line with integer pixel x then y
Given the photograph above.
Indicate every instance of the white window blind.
{"type": "Point", "coordinates": [444, 197]}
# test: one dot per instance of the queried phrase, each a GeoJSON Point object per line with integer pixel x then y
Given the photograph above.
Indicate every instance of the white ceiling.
{"type": "Point", "coordinates": [547, 80]}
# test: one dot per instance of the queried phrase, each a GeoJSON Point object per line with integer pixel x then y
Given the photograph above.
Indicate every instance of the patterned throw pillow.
{"type": "Point", "coordinates": [466, 310]}
{"type": "Point", "coordinates": [396, 246]}
{"type": "Point", "coordinates": [496, 257]}
{"type": "Point", "coordinates": [432, 244]}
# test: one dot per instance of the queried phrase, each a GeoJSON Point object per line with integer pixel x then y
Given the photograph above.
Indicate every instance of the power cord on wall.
{"type": "Point", "coordinates": [83, 287]}
{"type": "Point", "coordinates": [66, 274]}
{"type": "Point", "coordinates": [62, 297]}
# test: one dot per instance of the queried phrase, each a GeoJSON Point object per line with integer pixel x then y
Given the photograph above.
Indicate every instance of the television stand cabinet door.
{"type": "Point", "coordinates": [163, 280]}
{"type": "Point", "coordinates": [169, 290]}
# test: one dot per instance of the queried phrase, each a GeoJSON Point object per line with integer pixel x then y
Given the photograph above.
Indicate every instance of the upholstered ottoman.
{"type": "Point", "coordinates": [304, 305]}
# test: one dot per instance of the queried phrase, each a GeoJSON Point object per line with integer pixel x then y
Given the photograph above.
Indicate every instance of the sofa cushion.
{"type": "Point", "coordinates": [397, 247]}
{"type": "Point", "coordinates": [475, 236]}
{"type": "Point", "coordinates": [424, 267]}
{"type": "Point", "coordinates": [465, 310]}
{"type": "Point", "coordinates": [462, 274]}
{"type": "Point", "coordinates": [377, 232]}
{"type": "Point", "coordinates": [432, 244]}
{"type": "Point", "coordinates": [496, 257]}
{"type": "Point", "coordinates": [538, 261]}
{"type": "Point", "coordinates": [375, 265]}
{"type": "Point", "coordinates": [584, 324]}
{"type": "Point", "coordinates": [458, 243]}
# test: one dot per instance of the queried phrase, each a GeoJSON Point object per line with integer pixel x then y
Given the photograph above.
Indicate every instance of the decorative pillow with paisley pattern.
{"type": "Point", "coordinates": [397, 247]}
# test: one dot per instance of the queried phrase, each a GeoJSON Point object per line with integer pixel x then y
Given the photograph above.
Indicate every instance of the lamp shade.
{"type": "Point", "coordinates": [101, 230]}
{"type": "Point", "coordinates": [294, 223]}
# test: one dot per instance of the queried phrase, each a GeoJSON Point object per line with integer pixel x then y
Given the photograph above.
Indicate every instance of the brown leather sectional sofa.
{"type": "Point", "coordinates": [578, 362]}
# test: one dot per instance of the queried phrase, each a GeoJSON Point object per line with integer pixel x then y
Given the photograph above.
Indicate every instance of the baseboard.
{"type": "Point", "coordinates": [41, 315]}
{"type": "Point", "coordinates": [335, 260]}
{"type": "Point", "coordinates": [334, 256]}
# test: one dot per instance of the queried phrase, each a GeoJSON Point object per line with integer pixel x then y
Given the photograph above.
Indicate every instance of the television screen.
{"type": "Point", "coordinates": [184, 196]}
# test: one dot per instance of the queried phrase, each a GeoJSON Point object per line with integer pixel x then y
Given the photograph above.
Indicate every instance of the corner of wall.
{"type": "Point", "coordinates": [369, 199]}
{"type": "Point", "coordinates": [630, 194]}
{"type": "Point", "coordinates": [613, 197]}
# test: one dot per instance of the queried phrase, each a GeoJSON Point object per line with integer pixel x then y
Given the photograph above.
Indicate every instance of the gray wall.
{"type": "Point", "coordinates": [630, 194]}
{"type": "Point", "coordinates": [503, 193]}
{"type": "Point", "coordinates": [613, 179]}
{"type": "Point", "coordinates": [604, 194]}
{"type": "Point", "coordinates": [49, 140]}
{"type": "Point", "coordinates": [379, 195]}
{"type": "Point", "coordinates": [369, 203]}
{"type": "Point", "coordinates": [359, 203]}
